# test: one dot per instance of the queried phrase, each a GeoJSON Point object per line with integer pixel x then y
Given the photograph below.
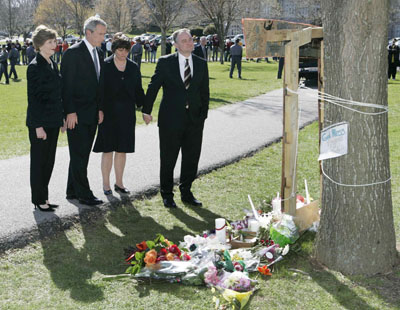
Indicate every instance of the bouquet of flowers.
{"type": "Point", "coordinates": [149, 253]}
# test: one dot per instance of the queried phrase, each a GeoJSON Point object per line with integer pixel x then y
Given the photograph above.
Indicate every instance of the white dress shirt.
{"type": "Point", "coordinates": [90, 47]}
{"type": "Point", "coordinates": [182, 62]}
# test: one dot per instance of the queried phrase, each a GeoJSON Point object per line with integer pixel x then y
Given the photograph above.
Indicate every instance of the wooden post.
{"type": "Point", "coordinates": [321, 102]}
{"type": "Point", "coordinates": [290, 125]}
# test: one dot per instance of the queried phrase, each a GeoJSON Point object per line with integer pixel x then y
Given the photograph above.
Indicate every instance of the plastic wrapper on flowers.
{"type": "Point", "coordinates": [185, 272]}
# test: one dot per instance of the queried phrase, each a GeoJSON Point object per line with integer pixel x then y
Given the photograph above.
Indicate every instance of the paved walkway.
{"type": "Point", "coordinates": [231, 132]}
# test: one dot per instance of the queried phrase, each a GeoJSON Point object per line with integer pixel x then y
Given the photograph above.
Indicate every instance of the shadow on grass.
{"type": "Point", "coordinates": [72, 258]}
{"type": "Point", "coordinates": [386, 288]}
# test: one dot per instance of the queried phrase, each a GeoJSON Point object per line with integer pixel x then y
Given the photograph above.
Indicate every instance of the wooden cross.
{"type": "Point", "coordinates": [266, 38]}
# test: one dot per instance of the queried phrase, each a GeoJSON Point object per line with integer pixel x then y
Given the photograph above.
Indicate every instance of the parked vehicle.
{"type": "Point", "coordinates": [69, 38]}
{"type": "Point", "coordinates": [241, 38]}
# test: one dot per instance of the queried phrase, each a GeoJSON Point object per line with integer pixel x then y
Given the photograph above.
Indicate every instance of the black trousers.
{"type": "Point", "coordinates": [80, 141]}
{"type": "Point", "coordinates": [43, 154]}
{"type": "Point", "coordinates": [236, 60]}
{"type": "Point", "coordinates": [12, 69]}
{"type": "Point", "coordinates": [137, 59]}
{"type": "Point", "coordinates": [280, 67]}
{"type": "Point", "coordinates": [189, 141]}
{"type": "Point", "coordinates": [392, 71]}
{"type": "Point", "coordinates": [4, 69]}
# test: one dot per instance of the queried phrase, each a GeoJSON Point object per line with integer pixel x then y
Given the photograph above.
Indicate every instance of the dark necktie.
{"type": "Point", "coordinates": [96, 66]}
{"type": "Point", "coordinates": [187, 75]}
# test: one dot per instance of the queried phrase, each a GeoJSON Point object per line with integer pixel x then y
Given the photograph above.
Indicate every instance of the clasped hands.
{"type": "Point", "coordinates": [147, 118]}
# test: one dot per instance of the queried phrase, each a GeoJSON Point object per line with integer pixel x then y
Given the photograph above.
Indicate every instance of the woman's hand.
{"type": "Point", "coordinates": [147, 118]}
{"type": "Point", "coordinates": [101, 117]}
{"type": "Point", "coordinates": [40, 133]}
{"type": "Point", "coordinates": [64, 127]}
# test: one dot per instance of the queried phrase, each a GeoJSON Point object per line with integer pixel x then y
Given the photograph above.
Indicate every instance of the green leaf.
{"type": "Point", "coordinates": [139, 256]}
{"type": "Point", "coordinates": [129, 269]}
{"type": "Point", "coordinates": [160, 238]}
{"type": "Point", "coordinates": [150, 244]}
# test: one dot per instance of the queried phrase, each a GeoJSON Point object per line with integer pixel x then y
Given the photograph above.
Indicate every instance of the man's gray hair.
{"type": "Point", "coordinates": [178, 32]}
{"type": "Point", "coordinates": [92, 22]}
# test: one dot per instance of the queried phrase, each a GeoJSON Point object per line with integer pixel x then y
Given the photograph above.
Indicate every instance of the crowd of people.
{"type": "Point", "coordinates": [16, 53]}
{"type": "Point", "coordinates": [92, 92]}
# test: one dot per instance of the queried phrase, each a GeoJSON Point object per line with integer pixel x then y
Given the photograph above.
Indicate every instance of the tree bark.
{"type": "Point", "coordinates": [356, 234]}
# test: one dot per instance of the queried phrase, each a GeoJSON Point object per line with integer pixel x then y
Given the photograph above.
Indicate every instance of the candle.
{"type": "Point", "coordinates": [276, 206]}
{"type": "Point", "coordinates": [220, 229]}
{"type": "Point", "coordinates": [254, 225]}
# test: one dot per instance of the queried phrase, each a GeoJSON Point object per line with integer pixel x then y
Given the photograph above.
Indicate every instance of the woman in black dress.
{"type": "Point", "coordinates": [122, 92]}
{"type": "Point", "coordinates": [44, 115]}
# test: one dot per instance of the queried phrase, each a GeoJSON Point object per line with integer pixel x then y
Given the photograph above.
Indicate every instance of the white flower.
{"type": "Point", "coordinates": [285, 250]}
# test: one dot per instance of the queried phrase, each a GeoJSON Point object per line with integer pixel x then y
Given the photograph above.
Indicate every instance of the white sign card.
{"type": "Point", "coordinates": [334, 141]}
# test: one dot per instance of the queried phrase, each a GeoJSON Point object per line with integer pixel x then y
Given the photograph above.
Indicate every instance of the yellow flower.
{"type": "Point", "coordinates": [243, 298]}
{"type": "Point", "coordinates": [170, 256]}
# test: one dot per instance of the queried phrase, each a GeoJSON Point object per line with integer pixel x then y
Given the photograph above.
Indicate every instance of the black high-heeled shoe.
{"type": "Point", "coordinates": [121, 190]}
{"type": "Point", "coordinates": [52, 205]}
{"type": "Point", "coordinates": [49, 209]}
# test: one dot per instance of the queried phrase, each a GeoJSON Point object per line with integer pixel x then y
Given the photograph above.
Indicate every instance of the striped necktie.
{"type": "Point", "coordinates": [187, 75]}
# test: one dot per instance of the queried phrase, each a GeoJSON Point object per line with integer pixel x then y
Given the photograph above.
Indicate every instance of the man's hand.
{"type": "Point", "coordinates": [72, 120]}
{"type": "Point", "coordinates": [147, 118]}
{"type": "Point", "coordinates": [101, 117]}
{"type": "Point", "coordinates": [40, 133]}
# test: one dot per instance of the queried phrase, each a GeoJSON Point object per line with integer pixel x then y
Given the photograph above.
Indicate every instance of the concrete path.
{"type": "Point", "coordinates": [231, 132]}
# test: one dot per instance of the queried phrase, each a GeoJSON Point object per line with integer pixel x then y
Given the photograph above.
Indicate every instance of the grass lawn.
{"type": "Point", "coordinates": [65, 272]}
{"type": "Point", "coordinates": [258, 78]}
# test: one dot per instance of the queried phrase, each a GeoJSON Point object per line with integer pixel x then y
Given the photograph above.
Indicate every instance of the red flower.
{"type": "Point", "coordinates": [238, 266]}
{"type": "Point", "coordinates": [163, 251]}
{"type": "Point", "coordinates": [141, 246]}
{"type": "Point", "coordinates": [174, 249]}
{"type": "Point", "coordinates": [186, 257]}
{"type": "Point", "coordinates": [265, 270]}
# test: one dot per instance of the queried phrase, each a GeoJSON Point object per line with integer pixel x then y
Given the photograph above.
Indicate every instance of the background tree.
{"type": "Point", "coordinates": [221, 13]}
{"type": "Point", "coordinates": [16, 16]}
{"type": "Point", "coordinates": [116, 13]}
{"type": "Point", "coordinates": [164, 13]}
{"type": "Point", "coordinates": [356, 234]}
{"type": "Point", "coordinates": [54, 13]}
{"type": "Point", "coordinates": [79, 11]}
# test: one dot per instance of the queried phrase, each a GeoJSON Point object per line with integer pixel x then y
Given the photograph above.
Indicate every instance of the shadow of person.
{"type": "Point", "coordinates": [121, 227]}
{"type": "Point", "coordinates": [68, 266]}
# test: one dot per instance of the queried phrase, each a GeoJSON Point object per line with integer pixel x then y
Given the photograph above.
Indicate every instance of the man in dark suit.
{"type": "Point", "coordinates": [82, 100]}
{"type": "Point", "coordinates": [201, 49]}
{"type": "Point", "coordinates": [183, 110]}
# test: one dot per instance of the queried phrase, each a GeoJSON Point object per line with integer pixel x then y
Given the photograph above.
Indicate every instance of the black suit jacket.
{"type": "Point", "coordinates": [44, 94]}
{"type": "Point", "coordinates": [172, 113]}
{"type": "Point", "coordinates": [199, 51]}
{"type": "Point", "coordinates": [82, 92]}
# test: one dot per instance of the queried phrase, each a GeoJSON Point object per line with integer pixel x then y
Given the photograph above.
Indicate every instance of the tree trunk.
{"type": "Point", "coordinates": [356, 234]}
{"type": "Point", "coordinates": [163, 40]}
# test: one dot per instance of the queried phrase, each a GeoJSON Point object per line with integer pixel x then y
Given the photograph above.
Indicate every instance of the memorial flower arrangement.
{"type": "Point", "coordinates": [149, 253]}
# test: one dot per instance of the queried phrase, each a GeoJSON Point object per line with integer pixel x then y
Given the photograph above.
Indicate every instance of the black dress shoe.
{"type": "Point", "coordinates": [189, 199]}
{"type": "Point", "coordinates": [121, 190]}
{"type": "Point", "coordinates": [93, 201]}
{"type": "Point", "coordinates": [49, 209]}
{"type": "Point", "coordinates": [169, 203]}
{"type": "Point", "coordinates": [70, 197]}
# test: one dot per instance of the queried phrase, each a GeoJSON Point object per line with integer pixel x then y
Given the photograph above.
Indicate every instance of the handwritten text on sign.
{"type": "Point", "coordinates": [334, 141]}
